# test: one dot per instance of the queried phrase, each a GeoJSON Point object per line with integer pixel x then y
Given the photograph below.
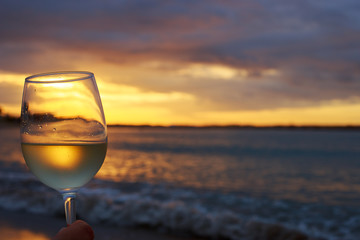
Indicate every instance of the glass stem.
{"type": "Point", "coordinates": [70, 208]}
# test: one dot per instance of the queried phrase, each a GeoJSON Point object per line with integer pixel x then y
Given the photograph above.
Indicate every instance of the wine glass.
{"type": "Point", "coordinates": [63, 131]}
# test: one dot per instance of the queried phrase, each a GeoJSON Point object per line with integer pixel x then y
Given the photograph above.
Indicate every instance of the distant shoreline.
{"type": "Point", "coordinates": [278, 127]}
{"type": "Point", "coordinates": [8, 120]}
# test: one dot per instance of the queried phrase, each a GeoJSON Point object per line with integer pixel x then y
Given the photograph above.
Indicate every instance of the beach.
{"type": "Point", "coordinates": [15, 225]}
{"type": "Point", "coordinates": [185, 183]}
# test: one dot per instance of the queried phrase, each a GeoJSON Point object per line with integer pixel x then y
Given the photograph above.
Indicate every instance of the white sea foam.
{"type": "Point", "coordinates": [201, 213]}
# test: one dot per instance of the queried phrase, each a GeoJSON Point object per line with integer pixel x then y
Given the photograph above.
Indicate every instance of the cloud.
{"type": "Point", "coordinates": [8, 91]}
{"type": "Point", "coordinates": [312, 46]}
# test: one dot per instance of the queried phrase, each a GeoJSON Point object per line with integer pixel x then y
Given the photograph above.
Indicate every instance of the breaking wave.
{"type": "Point", "coordinates": [196, 212]}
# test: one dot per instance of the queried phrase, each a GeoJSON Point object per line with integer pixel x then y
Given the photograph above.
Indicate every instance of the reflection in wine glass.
{"type": "Point", "coordinates": [63, 131]}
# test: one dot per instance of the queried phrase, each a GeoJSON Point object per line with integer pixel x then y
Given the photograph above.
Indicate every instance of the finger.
{"type": "Point", "coordinates": [77, 230]}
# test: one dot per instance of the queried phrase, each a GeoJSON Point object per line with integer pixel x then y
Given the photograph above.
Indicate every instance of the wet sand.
{"type": "Point", "coordinates": [24, 226]}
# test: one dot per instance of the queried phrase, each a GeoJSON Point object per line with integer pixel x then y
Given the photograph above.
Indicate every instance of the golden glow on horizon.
{"type": "Point", "coordinates": [342, 114]}
{"type": "Point", "coordinates": [332, 114]}
{"type": "Point", "coordinates": [13, 78]}
{"type": "Point", "coordinates": [62, 97]}
{"type": "Point", "coordinates": [127, 104]}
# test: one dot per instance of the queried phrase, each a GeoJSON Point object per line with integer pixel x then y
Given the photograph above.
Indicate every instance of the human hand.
{"type": "Point", "coordinates": [79, 230]}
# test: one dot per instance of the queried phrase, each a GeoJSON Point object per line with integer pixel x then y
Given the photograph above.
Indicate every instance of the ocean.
{"type": "Point", "coordinates": [217, 183]}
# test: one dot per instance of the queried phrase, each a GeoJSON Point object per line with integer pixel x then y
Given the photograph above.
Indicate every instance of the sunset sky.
{"type": "Point", "coordinates": [193, 62]}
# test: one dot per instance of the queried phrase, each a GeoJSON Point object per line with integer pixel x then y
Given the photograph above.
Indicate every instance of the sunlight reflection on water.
{"type": "Point", "coordinates": [301, 165]}
{"type": "Point", "coordinates": [281, 164]}
{"type": "Point", "coordinates": [10, 233]}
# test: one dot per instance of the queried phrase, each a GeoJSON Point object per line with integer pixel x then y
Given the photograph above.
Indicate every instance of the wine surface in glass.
{"type": "Point", "coordinates": [64, 166]}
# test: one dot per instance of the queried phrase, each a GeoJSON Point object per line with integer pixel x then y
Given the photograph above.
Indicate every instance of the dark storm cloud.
{"type": "Point", "coordinates": [314, 45]}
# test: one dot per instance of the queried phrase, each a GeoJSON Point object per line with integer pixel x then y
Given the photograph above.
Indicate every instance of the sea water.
{"type": "Point", "coordinates": [214, 183]}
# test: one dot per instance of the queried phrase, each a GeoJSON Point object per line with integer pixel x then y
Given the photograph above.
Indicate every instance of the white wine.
{"type": "Point", "coordinates": [64, 166]}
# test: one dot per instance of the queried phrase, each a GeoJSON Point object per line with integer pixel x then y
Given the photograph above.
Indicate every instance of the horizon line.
{"type": "Point", "coordinates": [6, 118]}
{"type": "Point", "coordinates": [293, 126]}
